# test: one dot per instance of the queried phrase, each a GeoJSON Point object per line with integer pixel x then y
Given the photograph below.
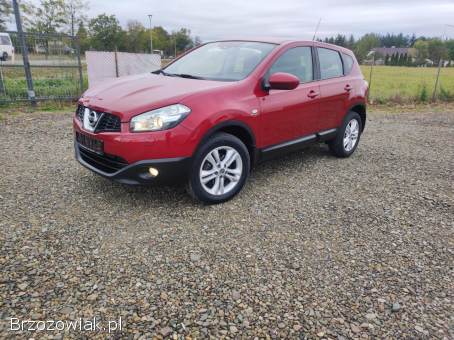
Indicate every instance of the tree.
{"type": "Point", "coordinates": [437, 50]}
{"type": "Point", "coordinates": [396, 40]}
{"type": "Point", "coordinates": [365, 45]}
{"type": "Point", "coordinates": [105, 33]}
{"type": "Point", "coordinates": [49, 17]}
{"type": "Point", "coordinates": [182, 40]}
{"type": "Point", "coordinates": [5, 12]}
{"type": "Point", "coordinates": [75, 13]}
{"type": "Point", "coordinates": [28, 12]}
{"type": "Point", "coordinates": [351, 42]}
{"type": "Point", "coordinates": [393, 59]}
{"type": "Point", "coordinates": [82, 35]}
{"type": "Point", "coordinates": [197, 41]}
{"type": "Point", "coordinates": [161, 40]}
{"type": "Point", "coordinates": [330, 40]}
{"type": "Point", "coordinates": [404, 60]}
{"type": "Point", "coordinates": [450, 47]}
{"type": "Point", "coordinates": [138, 39]}
{"type": "Point", "coordinates": [340, 40]}
{"type": "Point", "coordinates": [422, 51]}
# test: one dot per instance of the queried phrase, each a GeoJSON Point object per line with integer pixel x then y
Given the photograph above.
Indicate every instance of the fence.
{"type": "Point", "coordinates": [408, 85]}
{"type": "Point", "coordinates": [107, 65]}
{"type": "Point", "coordinates": [55, 69]}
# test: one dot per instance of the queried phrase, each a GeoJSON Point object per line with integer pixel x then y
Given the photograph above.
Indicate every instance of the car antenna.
{"type": "Point", "coordinates": [316, 29]}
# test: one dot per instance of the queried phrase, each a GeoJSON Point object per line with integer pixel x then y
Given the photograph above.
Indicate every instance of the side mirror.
{"type": "Point", "coordinates": [283, 81]}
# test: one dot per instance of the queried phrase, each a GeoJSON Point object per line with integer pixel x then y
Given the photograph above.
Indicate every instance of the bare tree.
{"type": "Point", "coordinates": [75, 13]}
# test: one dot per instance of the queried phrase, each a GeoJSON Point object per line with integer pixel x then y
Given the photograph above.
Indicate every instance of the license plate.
{"type": "Point", "coordinates": [90, 143]}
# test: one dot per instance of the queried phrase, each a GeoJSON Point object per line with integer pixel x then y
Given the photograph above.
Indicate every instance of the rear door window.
{"type": "Point", "coordinates": [296, 61]}
{"type": "Point", "coordinates": [330, 63]}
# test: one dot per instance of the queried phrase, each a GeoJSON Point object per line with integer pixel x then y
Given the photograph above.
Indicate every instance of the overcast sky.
{"type": "Point", "coordinates": [218, 19]}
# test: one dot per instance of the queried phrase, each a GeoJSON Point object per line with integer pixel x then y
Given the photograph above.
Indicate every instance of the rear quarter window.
{"type": "Point", "coordinates": [330, 63]}
{"type": "Point", "coordinates": [348, 63]}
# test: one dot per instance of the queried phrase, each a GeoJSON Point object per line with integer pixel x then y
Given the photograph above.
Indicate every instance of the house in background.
{"type": "Point", "coordinates": [394, 55]}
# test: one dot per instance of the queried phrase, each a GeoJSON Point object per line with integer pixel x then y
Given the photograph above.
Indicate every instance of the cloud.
{"type": "Point", "coordinates": [296, 19]}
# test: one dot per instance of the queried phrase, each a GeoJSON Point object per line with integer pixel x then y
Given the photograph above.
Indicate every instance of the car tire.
{"type": "Point", "coordinates": [219, 170]}
{"type": "Point", "coordinates": [348, 136]}
{"type": "Point", "coordinates": [5, 56]}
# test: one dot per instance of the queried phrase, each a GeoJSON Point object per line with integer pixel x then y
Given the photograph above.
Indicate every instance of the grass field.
{"type": "Point", "coordinates": [47, 82]}
{"type": "Point", "coordinates": [408, 84]}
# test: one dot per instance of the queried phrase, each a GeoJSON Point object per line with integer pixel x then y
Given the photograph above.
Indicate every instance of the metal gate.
{"type": "Point", "coordinates": [53, 71]}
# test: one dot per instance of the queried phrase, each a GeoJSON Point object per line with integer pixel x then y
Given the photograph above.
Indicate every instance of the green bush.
{"type": "Point", "coordinates": [423, 95]}
{"type": "Point", "coordinates": [445, 95]}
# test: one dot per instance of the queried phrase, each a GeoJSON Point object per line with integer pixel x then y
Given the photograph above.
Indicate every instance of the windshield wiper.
{"type": "Point", "coordinates": [160, 71]}
{"type": "Point", "coordinates": [181, 75]}
{"type": "Point", "coordinates": [184, 75]}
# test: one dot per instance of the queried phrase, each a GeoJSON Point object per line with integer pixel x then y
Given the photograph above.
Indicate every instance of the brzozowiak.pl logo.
{"type": "Point", "coordinates": [82, 325]}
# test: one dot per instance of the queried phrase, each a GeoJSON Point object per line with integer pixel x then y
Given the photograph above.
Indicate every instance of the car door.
{"type": "Point", "coordinates": [288, 115]}
{"type": "Point", "coordinates": [334, 89]}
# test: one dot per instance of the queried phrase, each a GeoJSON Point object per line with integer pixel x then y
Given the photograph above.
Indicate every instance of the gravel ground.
{"type": "Point", "coordinates": [314, 246]}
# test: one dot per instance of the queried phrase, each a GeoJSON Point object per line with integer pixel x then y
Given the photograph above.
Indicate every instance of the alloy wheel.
{"type": "Point", "coordinates": [351, 135]}
{"type": "Point", "coordinates": [221, 170]}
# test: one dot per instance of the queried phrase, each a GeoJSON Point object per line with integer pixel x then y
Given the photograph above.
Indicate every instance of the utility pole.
{"type": "Point", "coordinates": [151, 34]}
{"type": "Point", "coordinates": [28, 73]}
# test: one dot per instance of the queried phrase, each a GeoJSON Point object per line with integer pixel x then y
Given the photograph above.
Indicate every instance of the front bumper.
{"type": "Point", "coordinates": [171, 170]}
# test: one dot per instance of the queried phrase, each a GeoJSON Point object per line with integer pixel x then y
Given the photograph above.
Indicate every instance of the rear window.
{"type": "Point", "coordinates": [348, 63]}
{"type": "Point", "coordinates": [4, 40]}
{"type": "Point", "coordinates": [330, 63]}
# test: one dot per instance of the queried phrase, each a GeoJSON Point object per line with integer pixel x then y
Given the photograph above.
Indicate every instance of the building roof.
{"type": "Point", "coordinates": [389, 51]}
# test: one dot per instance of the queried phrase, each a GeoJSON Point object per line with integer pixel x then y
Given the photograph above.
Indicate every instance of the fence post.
{"type": "Point", "coordinates": [28, 73]}
{"type": "Point", "coordinates": [434, 96]}
{"type": "Point", "coordinates": [76, 45]}
{"type": "Point", "coordinates": [370, 78]}
{"type": "Point", "coordinates": [116, 62]}
{"type": "Point", "coordinates": [2, 83]}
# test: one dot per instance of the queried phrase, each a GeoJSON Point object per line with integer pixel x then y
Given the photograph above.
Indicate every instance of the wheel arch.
{"type": "Point", "coordinates": [238, 129]}
{"type": "Point", "coordinates": [360, 109]}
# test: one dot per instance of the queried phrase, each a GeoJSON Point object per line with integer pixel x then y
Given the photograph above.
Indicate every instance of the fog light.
{"type": "Point", "coordinates": [153, 172]}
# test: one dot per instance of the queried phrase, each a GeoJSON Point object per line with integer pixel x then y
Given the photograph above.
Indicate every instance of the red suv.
{"type": "Point", "coordinates": [211, 114]}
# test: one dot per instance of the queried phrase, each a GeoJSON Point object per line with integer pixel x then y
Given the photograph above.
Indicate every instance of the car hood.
{"type": "Point", "coordinates": [132, 95]}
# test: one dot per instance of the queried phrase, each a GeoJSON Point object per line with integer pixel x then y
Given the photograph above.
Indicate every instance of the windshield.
{"type": "Point", "coordinates": [4, 40]}
{"type": "Point", "coordinates": [227, 61]}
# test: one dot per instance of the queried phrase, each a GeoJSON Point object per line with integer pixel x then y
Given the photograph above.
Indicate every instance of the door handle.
{"type": "Point", "coordinates": [312, 94]}
{"type": "Point", "coordinates": [348, 88]}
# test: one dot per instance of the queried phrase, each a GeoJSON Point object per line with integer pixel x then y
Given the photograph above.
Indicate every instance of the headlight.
{"type": "Point", "coordinates": [160, 119]}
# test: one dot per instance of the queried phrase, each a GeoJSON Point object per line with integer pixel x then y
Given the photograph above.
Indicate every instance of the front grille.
{"type": "Point", "coordinates": [107, 123]}
{"type": "Point", "coordinates": [106, 163]}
